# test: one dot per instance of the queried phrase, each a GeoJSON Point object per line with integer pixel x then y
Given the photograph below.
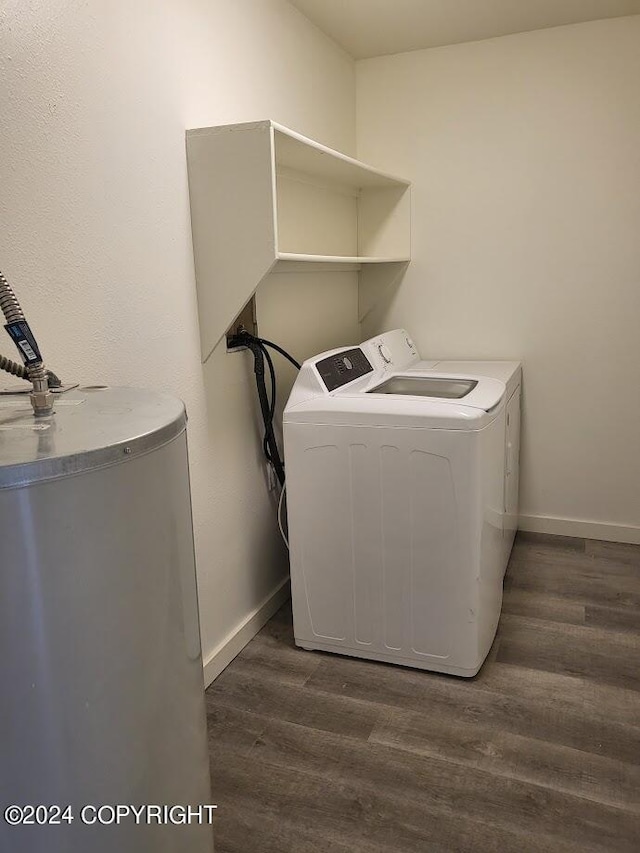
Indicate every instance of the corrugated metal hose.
{"type": "Point", "coordinates": [35, 372]}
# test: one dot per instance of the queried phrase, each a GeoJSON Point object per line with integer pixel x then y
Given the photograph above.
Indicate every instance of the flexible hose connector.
{"type": "Point", "coordinates": [13, 367]}
{"type": "Point", "coordinates": [9, 302]}
{"type": "Point", "coordinates": [41, 397]}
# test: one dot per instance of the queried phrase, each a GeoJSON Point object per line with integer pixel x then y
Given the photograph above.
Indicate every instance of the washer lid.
{"type": "Point", "coordinates": [426, 386]}
{"type": "Point", "coordinates": [91, 428]}
{"type": "Point", "coordinates": [360, 404]}
{"type": "Point", "coordinates": [478, 392]}
{"type": "Point", "coordinates": [509, 372]}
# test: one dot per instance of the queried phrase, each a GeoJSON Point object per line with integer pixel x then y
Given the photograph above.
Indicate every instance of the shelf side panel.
{"type": "Point", "coordinates": [384, 222]}
{"type": "Point", "coordinates": [378, 282]}
{"type": "Point", "coordinates": [232, 222]}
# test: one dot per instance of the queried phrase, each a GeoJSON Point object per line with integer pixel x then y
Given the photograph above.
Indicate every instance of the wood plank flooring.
{"type": "Point", "coordinates": [539, 753]}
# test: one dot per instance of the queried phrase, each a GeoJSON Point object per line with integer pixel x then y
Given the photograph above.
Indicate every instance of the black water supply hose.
{"type": "Point", "coordinates": [259, 348]}
{"type": "Point", "coordinates": [33, 368]}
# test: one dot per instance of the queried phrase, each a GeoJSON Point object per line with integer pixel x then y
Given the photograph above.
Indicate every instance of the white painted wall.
{"type": "Point", "coordinates": [95, 233]}
{"type": "Point", "coordinates": [525, 156]}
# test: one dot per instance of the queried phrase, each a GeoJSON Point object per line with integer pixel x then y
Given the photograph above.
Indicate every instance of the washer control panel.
{"type": "Point", "coordinates": [391, 351]}
{"type": "Point", "coordinates": [342, 367]}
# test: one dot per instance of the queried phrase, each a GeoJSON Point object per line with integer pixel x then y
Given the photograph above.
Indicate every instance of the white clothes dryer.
{"type": "Point", "coordinates": [402, 482]}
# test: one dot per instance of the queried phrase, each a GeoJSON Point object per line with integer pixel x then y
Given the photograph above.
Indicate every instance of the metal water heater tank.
{"type": "Point", "coordinates": [101, 683]}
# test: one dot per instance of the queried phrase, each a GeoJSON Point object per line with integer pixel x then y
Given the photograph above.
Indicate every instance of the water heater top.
{"type": "Point", "coordinates": [91, 428]}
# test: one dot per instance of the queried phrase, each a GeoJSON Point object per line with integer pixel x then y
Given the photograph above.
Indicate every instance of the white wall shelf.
{"type": "Point", "coordinates": [336, 259]}
{"type": "Point", "coordinates": [264, 199]}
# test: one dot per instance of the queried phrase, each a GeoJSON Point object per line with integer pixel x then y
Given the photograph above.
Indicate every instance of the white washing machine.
{"type": "Point", "coordinates": [402, 482]}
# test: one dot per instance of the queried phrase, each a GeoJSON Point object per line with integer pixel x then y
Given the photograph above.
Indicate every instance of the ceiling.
{"type": "Point", "coordinates": [366, 28]}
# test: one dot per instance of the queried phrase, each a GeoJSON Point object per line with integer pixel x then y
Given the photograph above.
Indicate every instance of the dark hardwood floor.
{"type": "Point", "coordinates": [539, 752]}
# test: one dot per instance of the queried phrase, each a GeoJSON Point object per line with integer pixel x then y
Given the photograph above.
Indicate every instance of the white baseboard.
{"type": "Point", "coordinates": [581, 529]}
{"type": "Point", "coordinates": [237, 639]}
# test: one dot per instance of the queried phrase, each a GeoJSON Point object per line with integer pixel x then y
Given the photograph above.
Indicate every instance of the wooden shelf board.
{"type": "Point", "coordinates": [338, 259]}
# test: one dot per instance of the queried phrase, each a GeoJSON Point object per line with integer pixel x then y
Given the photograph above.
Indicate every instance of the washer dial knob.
{"type": "Point", "coordinates": [385, 354]}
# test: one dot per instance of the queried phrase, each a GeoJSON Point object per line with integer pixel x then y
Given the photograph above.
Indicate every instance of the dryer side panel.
{"type": "Point", "coordinates": [512, 465]}
{"type": "Point", "coordinates": [491, 531]}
